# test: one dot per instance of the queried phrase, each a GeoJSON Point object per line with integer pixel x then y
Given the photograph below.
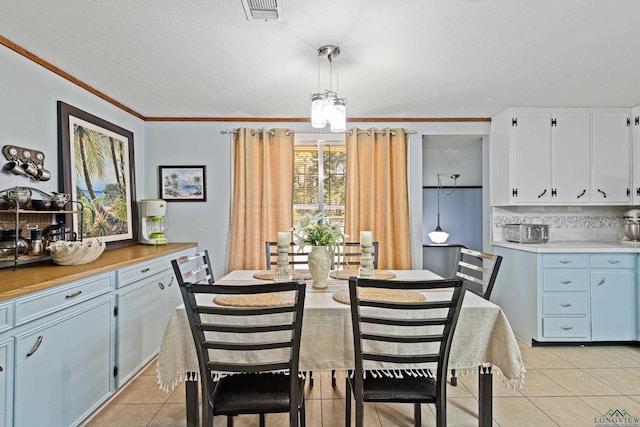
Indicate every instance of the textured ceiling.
{"type": "Point", "coordinates": [408, 58]}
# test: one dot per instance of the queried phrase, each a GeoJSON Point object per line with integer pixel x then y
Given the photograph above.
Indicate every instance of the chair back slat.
{"type": "Point", "coordinates": [202, 273]}
{"type": "Point", "coordinates": [297, 256]}
{"type": "Point", "coordinates": [479, 270]}
{"type": "Point", "coordinates": [349, 254]}
{"type": "Point", "coordinates": [389, 336]}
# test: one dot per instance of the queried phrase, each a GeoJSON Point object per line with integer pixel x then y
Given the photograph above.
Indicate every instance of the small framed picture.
{"type": "Point", "coordinates": [182, 183]}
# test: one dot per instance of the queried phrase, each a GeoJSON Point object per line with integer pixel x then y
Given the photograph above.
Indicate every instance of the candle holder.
{"type": "Point", "coordinates": [282, 273]}
{"type": "Point", "coordinates": [366, 270]}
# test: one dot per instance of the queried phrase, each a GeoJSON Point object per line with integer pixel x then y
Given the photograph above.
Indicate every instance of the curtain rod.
{"type": "Point", "coordinates": [361, 132]}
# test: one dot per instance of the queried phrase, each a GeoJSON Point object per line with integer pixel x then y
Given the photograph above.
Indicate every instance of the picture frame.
{"type": "Point", "coordinates": [182, 183]}
{"type": "Point", "coordinates": [97, 169]}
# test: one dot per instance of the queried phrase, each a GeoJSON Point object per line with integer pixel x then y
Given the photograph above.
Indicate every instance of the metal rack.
{"type": "Point", "coordinates": [16, 211]}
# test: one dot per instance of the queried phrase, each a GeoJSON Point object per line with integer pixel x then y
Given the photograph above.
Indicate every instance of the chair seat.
{"type": "Point", "coordinates": [408, 389]}
{"type": "Point", "coordinates": [252, 393]}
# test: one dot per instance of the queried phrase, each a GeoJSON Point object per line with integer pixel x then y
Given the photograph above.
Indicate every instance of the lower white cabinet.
{"type": "Point", "coordinates": [63, 367]}
{"type": "Point", "coordinates": [141, 321]}
{"type": "Point", "coordinates": [569, 297]}
{"type": "Point", "coordinates": [6, 381]}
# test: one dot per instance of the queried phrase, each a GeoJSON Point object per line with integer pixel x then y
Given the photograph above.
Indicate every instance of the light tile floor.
{"type": "Point", "coordinates": [564, 386]}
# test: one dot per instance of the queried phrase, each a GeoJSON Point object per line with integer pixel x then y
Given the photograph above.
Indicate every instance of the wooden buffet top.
{"type": "Point", "coordinates": [36, 277]}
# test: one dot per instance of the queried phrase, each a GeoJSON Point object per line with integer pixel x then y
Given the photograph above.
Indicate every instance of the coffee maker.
{"type": "Point", "coordinates": [152, 212]}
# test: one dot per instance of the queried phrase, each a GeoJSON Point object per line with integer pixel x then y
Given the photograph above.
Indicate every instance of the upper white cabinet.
{"type": "Point", "coordinates": [635, 128]}
{"type": "Point", "coordinates": [611, 158]}
{"type": "Point", "coordinates": [563, 156]}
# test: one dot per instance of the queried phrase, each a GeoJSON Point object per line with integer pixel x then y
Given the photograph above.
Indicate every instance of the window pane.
{"type": "Point", "coordinates": [335, 164]}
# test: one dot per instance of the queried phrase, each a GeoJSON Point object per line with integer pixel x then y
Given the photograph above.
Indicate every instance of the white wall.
{"type": "Point", "coordinates": [28, 118]}
{"type": "Point", "coordinates": [28, 115]}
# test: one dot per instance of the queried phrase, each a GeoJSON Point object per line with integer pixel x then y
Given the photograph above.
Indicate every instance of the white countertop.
{"type": "Point", "coordinates": [575, 246]}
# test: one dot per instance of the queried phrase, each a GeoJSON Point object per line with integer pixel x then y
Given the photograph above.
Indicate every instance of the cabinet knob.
{"type": "Point", "coordinates": [543, 193]}
{"type": "Point", "coordinates": [565, 305]}
{"type": "Point", "coordinates": [614, 261]}
{"type": "Point", "coordinates": [1, 369]}
{"type": "Point", "coordinates": [566, 282]}
{"type": "Point", "coordinates": [565, 261]}
{"type": "Point", "coordinates": [145, 270]}
{"type": "Point", "coordinates": [73, 295]}
{"type": "Point", "coordinates": [601, 282]}
{"type": "Point", "coordinates": [603, 193]}
{"type": "Point", "coordinates": [160, 285]}
{"type": "Point", "coordinates": [582, 194]}
{"type": "Point", "coordinates": [566, 328]}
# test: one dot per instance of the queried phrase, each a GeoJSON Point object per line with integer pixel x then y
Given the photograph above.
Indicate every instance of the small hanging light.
{"type": "Point", "coordinates": [438, 235]}
{"type": "Point", "coordinates": [327, 108]}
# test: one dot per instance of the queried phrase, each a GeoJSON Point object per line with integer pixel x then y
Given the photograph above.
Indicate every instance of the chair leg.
{"type": "Point", "coordinates": [417, 415]}
{"type": "Point", "coordinates": [310, 378]}
{"type": "Point", "coordinates": [333, 378]}
{"type": "Point", "coordinates": [454, 379]}
{"type": "Point", "coordinates": [229, 420]}
{"type": "Point", "coordinates": [262, 420]}
{"type": "Point", "coordinates": [303, 416]}
{"type": "Point", "coordinates": [347, 407]}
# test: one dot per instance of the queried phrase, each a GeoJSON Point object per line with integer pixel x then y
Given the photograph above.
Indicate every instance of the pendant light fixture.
{"type": "Point", "coordinates": [327, 108]}
{"type": "Point", "coordinates": [438, 235]}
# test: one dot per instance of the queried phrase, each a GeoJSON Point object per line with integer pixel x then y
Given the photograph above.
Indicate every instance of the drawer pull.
{"type": "Point", "coordinates": [161, 285]}
{"type": "Point", "coordinates": [566, 328]}
{"type": "Point", "coordinates": [565, 261]}
{"type": "Point", "coordinates": [36, 346]}
{"type": "Point", "coordinates": [1, 369]}
{"type": "Point", "coordinates": [601, 282]}
{"type": "Point", "coordinates": [566, 304]}
{"type": "Point", "coordinates": [73, 295]}
{"type": "Point", "coordinates": [566, 282]}
{"type": "Point", "coordinates": [145, 270]}
{"type": "Point", "coordinates": [614, 261]}
{"type": "Point", "coordinates": [171, 281]}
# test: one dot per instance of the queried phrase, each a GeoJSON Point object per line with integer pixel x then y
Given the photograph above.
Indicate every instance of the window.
{"type": "Point", "coordinates": [319, 186]}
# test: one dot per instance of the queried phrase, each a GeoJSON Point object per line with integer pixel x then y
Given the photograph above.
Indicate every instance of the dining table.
{"type": "Point", "coordinates": [483, 340]}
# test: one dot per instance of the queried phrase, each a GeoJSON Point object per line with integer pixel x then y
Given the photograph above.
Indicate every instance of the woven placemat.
{"type": "Point", "coordinates": [256, 300]}
{"type": "Point", "coordinates": [295, 274]}
{"type": "Point", "coordinates": [390, 295]}
{"type": "Point", "coordinates": [345, 274]}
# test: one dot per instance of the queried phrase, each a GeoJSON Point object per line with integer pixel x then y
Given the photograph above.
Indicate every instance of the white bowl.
{"type": "Point", "coordinates": [76, 253]}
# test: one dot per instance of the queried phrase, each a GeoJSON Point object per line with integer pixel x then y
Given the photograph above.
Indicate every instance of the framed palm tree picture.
{"type": "Point", "coordinates": [96, 168]}
{"type": "Point", "coordinates": [182, 183]}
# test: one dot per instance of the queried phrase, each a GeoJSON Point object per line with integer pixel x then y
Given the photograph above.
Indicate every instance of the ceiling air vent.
{"type": "Point", "coordinates": [262, 10]}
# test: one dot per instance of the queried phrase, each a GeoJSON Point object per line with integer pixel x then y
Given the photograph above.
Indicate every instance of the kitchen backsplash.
{"type": "Point", "coordinates": [565, 222]}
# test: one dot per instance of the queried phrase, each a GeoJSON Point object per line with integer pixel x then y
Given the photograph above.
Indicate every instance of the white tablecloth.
{"type": "Point", "coordinates": [483, 335]}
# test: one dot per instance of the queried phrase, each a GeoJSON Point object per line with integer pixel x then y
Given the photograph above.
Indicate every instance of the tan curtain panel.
{"type": "Point", "coordinates": [377, 195]}
{"type": "Point", "coordinates": [262, 194]}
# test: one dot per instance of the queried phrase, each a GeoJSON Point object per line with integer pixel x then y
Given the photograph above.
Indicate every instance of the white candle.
{"type": "Point", "coordinates": [366, 238]}
{"type": "Point", "coordinates": [283, 238]}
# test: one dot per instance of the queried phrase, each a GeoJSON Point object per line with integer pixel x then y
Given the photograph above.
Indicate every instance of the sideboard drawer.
{"type": "Point", "coordinates": [42, 303]}
{"type": "Point", "coordinates": [613, 260]}
{"type": "Point", "coordinates": [565, 303]}
{"type": "Point", "coordinates": [565, 327]}
{"type": "Point", "coordinates": [140, 271]}
{"type": "Point", "coordinates": [565, 280]}
{"type": "Point", "coordinates": [565, 260]}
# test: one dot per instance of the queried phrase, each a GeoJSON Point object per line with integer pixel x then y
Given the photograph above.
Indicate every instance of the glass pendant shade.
{"type": "Point", "coordinates": [339, 116]}
{"type": "Point", "coordinates": [438, 236]}
{"type": "Point", "coordinates": [318, 118]}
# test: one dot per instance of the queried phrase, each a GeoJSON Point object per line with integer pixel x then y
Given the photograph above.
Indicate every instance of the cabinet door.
{"type": "Point", "coordinates": [571, 157]}
{"type": "Point", "coordinates": [63, 371]}
{"type": "Point", "coordinates": [173, 297]}
{"type": "Point", "coordinates": [531, 158]}
{"type": "Point", "coordinates": [613, 309]}
{"type": "Point", "coordinates": [635, 122]}
{"type": "Point", "coordinates": [611, 158]}
{"type": "Point", "coordinates": [6, 381]}
{"type": "Point", "coordinates": [141, 324]}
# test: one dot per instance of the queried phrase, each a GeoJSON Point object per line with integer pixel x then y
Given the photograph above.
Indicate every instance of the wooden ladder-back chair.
{"type": "Point", "coordinates": [201, 273]}
{"type": "Point", "coordinates": [479, 271]}
{"type": "Point", "coordinates": [401, 334]}
{"type": "Point", "coordinates": [248, 355]}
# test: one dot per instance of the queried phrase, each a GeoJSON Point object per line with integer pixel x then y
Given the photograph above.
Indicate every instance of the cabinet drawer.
{"type": "Point", "coordinates": [42, 303]}
{"type": "Point", "coordinates": [6, 316]}
{"type": "Point", "coordinates": [565, 280]}
{"type": "Point", "coordinates": [613, 260]}
{"type": "Point", "coordinates": [140, 271]}
{"type": "Point", "coordinates": [565, 327]}
{"type": "Point", "coordinates": [565, 303]}
{"type": "Point", "coordinates": [565, 260]}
